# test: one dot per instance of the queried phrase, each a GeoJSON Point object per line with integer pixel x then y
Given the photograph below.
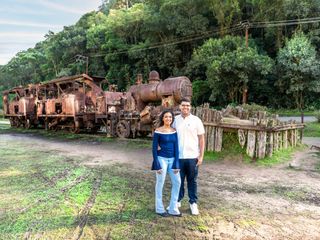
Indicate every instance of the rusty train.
{"type": "Point", "coordinates": [79, 103]}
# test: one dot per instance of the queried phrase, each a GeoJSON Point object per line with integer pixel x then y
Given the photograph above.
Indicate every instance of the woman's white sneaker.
{"type": "Point", "coordinates": [178, 206]}
{"type": "Point", "coordinates": [194, 209]}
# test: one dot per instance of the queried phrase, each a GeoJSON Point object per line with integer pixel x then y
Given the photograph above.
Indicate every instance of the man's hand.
{"type": "Point", "coordinates": [159, 171]}
{"type": "Point", "coordinates": [200, 160]}
{"type": "Point", "coordinates": [201, 148]}
{"type": "Point", "coordinates": [175, 171]}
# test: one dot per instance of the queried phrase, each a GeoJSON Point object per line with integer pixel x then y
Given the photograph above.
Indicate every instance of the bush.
{"type": "Point", "coordinates": [318, 116]}
{"type": "Point", "coordinates": [254, 107]}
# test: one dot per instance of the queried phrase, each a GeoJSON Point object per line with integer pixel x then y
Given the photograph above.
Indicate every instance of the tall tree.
{"type": "Point", "coordinates": [230, 66]}
{"type": "Point", "coordinates": [299, 69]}
{"type": "Point", "coordinates": [226, 12]}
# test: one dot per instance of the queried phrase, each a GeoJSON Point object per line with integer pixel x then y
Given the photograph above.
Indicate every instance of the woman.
{"type": "Point", "coordinates": [166, 159]}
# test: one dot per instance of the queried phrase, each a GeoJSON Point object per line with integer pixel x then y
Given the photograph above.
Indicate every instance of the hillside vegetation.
{"type": "Point", "coordinates": [202, 39]}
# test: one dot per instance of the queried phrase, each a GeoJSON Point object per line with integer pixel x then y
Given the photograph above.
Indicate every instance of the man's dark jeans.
{"type": "Point", "coordinates": [189, 170]}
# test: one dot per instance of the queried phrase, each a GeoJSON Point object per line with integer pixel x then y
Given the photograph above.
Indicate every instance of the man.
{"type": "Point", "coordinates": [191, 149]}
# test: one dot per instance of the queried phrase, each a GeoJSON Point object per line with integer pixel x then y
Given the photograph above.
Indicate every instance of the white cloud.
{"type": "Point", "coordinates": [21, 10]}
{"type": "Point", "coordinates": [28, 24]}
{"type": "Point", "coordinates": [5, 58]}
{"type": "Point", "coordinates": [21, 35]}
{"type": "Point", "coordinates": [23, 23]}
{"type": "Point", "coordinates": [63, 7]}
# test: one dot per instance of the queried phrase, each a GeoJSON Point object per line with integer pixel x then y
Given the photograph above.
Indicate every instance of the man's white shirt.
{"type": "Point", "coordinates": [188, 129]}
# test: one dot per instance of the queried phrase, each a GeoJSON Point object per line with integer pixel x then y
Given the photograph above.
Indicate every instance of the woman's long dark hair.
{"type": "Point", "coordinates": [162, 115]}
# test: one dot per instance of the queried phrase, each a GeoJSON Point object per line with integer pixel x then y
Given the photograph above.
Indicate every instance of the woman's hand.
{"type": "Point", "coordinates": [159, 171]}
{"type": "Point", "coordinates": [175, 171]}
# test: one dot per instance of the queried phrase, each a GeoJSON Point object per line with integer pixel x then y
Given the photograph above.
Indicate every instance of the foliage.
{"type": "Point", "coordinates": [254, 107]}
{"type": "Point", "coordinates": [200, 92]}
{"type": "Point", "coordinates": [293, 112]}
{"type": "Point", "coordinates": [126, 37]}
{"type": "Point", "coordinates": [298, 69]}
{"type": "Point", "coordinates": [312, 129]}
{"type": "Point", "coordinates": [231, 150]}
{"type": "Point", "coordinates": [230, 66]}
{"type": "Point", "coordinates": [318, 116]}
{"type": "Point", "coordinates": [279, 157]}
{"type": "Point", "coordinates": [226, 13]}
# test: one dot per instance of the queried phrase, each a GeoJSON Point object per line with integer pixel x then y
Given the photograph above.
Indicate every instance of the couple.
{"type": "Point", "coordinates": [178, 148]}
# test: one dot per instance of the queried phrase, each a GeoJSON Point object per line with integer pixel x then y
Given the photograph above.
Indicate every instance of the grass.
{"type": "Point", "coordinates": [46, 195]}
{"type": "Point", "coordinates": [67, 136]}
{"type": "Point", "coordinates": [231, 150]}
{"type": "Point", "coordinates": [279, 157]}
{"type": "Point", "coordinates": [293, 112]}
{"type": "Point", "coordinates": [312, 129]}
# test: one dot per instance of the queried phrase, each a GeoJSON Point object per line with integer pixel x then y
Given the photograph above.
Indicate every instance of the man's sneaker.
{"type": "Point", "coordinates": [178, 206]}
{"type": "Point", "coordinates": [194, 209]}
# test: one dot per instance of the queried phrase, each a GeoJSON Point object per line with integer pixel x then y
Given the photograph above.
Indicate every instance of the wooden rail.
{"type": "Point", "coordinates": [259, 134]}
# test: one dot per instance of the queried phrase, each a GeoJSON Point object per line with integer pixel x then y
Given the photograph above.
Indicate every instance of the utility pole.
{"type": "Point", "coordinates": [247, 35]}
{"type": "Point", "coordinates": [245, 86]}
{"type": "Point", "coordinates": [80, 58]}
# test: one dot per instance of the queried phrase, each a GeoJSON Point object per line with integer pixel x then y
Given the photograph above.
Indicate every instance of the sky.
{"type": "Point", "coordinates": [23, 23]}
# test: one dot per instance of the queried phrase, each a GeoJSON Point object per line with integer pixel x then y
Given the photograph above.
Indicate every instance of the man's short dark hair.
{"type": "Point", "coordinates": [185, 100]}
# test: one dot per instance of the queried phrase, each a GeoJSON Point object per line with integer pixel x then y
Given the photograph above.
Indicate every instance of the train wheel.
{"type": "Point", "coordinates": [123, 129]}
{"type": "Point", "coordinates": [94, 129]}
{"type": "Point", "coordinates": [27, 124]}
{"type": "Point", "coordinates": [143, 134]}
{"type": "Point", "coordinates": [75, 127]}
{"type": "Point", "coordinates": [13, 122]}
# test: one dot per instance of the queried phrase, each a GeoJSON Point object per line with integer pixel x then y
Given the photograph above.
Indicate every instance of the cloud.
{"type": "Point", "coordinates": [21, 10]}
{"type": "Point", "coordinates": [28, 24]}
{"type": "Point", "coordinates": [62, 7]}
{"type": "Point", "coordinates": [21, 35]}
{"type": "Point", "coordinates": [5, 58]}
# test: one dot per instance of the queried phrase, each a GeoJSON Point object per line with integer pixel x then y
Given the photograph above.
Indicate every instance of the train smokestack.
{"type": "Point", "coordinates": [154, 77]}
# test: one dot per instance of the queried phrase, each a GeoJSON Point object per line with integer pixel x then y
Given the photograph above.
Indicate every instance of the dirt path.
{"type": "Point", "coordinates": [281, 202]}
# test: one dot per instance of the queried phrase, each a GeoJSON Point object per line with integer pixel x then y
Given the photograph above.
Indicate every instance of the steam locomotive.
{"type": "Point", "coordinates": [79, 103]}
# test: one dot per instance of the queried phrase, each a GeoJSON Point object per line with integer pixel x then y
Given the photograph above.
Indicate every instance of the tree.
{"type": "Point", "coordinates": [299, 69]}
{"type": "Point", "coordinates": [229, 66]}
{"type": "Point", "coordinates": [226, 12]}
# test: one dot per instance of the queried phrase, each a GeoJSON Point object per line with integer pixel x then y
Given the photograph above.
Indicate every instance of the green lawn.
{"type": "Point", "coordinates": [312, 129]}
{"type": "Point", "coordinates": [293, 112]}
{"type": "Point", "coordinates": [47, 195]}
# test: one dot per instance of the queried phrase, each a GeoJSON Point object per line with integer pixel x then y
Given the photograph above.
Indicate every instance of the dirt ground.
{"type": "Point", "coordinates": [280, 202]}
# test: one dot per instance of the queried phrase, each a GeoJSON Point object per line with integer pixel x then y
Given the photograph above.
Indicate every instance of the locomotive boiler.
{"type": "Point", "coordinates": [77, 103]}
{"type": "Point", "coordinates": [146, 101]}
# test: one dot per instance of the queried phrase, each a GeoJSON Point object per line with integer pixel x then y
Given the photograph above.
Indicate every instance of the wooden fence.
{"type": "Point", "coordinates": [259, 134]}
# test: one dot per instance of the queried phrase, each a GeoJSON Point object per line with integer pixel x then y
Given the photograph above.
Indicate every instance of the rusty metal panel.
{"type": "Point", "coordinates": [113, 98]}
{"type": "Point", "coordinates": [101, 105]}
{"type": "Point", "coordinates": [80, 103]}
{"type": "Point", "coordinates": [14, 107]}
{"type": "Point", "coordinates": [50, 106]}
{"type": "Point", "coordinates": [26, 105]}
{"type": "Point", "coordinates": [40, 107]}
{"type": "Point", "coordinates": [30, 105]}
{"type": "Point", "coordinates": [22, 106]}
{"type": "Point", "coordinates": [178, 88]}
{"type": "Point", "coordinates": [68, 104]}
